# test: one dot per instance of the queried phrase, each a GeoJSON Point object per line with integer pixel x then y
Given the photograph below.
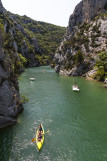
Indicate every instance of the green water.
{"type": "Point", "coordinates": [77, 120]}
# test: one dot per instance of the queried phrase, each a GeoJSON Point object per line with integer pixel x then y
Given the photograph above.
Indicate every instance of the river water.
{"type": "Point", "coordinates": [77, 120]}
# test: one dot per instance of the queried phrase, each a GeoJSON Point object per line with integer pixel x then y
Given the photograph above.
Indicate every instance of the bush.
{"type": "Point", "coordinates": [79, 58]}
{"type": "Point", "coordinates": [102, 66]}
{"type": "Point", "coordinates": [23, 99]}
{"type": "Point", "coordinates": [42, 59]}
{"type": "Point", "coordinates": [23, 59]}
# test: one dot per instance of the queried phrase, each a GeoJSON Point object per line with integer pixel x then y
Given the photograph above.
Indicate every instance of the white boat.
{"type": "Point", "coordinates": [75, 88]}
{"type": "Point", "coordinates": [32, 79]}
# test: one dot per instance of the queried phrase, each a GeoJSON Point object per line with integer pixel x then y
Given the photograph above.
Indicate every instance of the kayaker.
{"type": "Point", "coordinates": [40, 128]}
{"type": "Point", "coordinates": [40, 134]}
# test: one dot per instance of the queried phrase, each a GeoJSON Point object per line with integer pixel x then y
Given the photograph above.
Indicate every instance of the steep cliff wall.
{"type": "Point", "coordinates": [85, 11]}
{"type": "Point", "coordinates": [10, 104]}
{"type": "Point", "coordinates": [84, 46]}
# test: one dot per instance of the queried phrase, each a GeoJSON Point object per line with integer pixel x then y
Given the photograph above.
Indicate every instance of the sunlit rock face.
{"type": "Point", "coordinates": [85, 39]}
{"type": "Point", "coordinates": [10, 104]}
{"type": "Point", "coordinates": [86, 10]}
{"type": "Point", "coordinates": [91, 8]}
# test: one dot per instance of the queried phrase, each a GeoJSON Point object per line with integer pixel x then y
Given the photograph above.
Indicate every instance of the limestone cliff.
{"type": "Point", "coordinates": [10, 104]}
{"type": "Point", "coordinates": [85, 11]}
{"type": "Point", "coordinates": [84, 47]}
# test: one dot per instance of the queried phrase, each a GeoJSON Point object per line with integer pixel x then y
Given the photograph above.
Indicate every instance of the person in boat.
{"type": "Point", "coordinates": [40, 128]}
{"type": "Point", "coordinates": [40, 134]}
{"type": "Point", "coordinates": [75, 85]}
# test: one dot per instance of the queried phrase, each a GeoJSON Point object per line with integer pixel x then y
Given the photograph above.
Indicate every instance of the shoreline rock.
{"type": "Point", "coordinates": [105, 82]}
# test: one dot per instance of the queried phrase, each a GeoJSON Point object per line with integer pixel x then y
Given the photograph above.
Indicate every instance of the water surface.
{"type": "Point", "coordinates": [77, 120]}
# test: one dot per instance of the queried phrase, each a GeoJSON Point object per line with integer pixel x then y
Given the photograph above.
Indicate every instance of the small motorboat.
{"type": "Point", "coordinates": [32, 79]}
{"type": "Point", "coordinates": [75, 88]}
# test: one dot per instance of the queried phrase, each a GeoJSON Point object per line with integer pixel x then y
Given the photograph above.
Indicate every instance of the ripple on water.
{"type": "Point", "coordinates": [77, 122]}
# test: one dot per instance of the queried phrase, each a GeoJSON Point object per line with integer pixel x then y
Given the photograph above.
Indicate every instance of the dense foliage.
{"type": "Point", "coordinates": [34, 42]}
{"type": "Point", "coordinates": [49, 36]}
{"type": "Point", "coordinates": [102, 67]}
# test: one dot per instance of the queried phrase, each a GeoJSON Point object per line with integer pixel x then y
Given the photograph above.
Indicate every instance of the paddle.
{"type": "Point", "coordinates": [43, 134]}
{"type": "Point", "coordinates": [46, 132]}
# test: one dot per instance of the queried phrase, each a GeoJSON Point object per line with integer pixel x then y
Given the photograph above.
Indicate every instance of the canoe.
{"type": "Point", "coordinates": [39, 143]}
{"type": "Point", "coordinates": [75, 88]}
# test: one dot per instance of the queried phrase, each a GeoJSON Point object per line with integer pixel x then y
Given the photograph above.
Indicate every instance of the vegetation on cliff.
{"type": "Point", "coordinates": [86, 48]}
{"type": "Point", "coordinates": [23, 43]}
{"type": "Point", "coordinates": [34, 41]}
{"type": "Point", "coordinates": [101, 64]}
{"type": "Point", "coordinates": [32, 38]}
{"type": "Point", "coordinates": [49, 36]}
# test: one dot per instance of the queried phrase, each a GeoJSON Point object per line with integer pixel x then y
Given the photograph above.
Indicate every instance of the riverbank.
{"type": "Point", "coordinates": [89, 75]}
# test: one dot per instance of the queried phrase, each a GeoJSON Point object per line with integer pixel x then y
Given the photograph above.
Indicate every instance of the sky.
{"type": "Point", "coordinates": [52, 11]}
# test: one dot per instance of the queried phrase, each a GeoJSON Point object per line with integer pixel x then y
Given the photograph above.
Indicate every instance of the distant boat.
{"type": "Point", "coordinates": [75, 88]}
{"type": "Point", "coordinates": [32, 79]}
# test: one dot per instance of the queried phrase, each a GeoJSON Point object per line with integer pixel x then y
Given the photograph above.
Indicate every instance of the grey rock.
{"type": "Point", "coordinates": [105, 82]}
{"type": "Point", "coordinates": [6, 95]}
{"type": "Point", "coordinates": [83, 16]}
{"type": "Point", "coordinates": [2, 10]}
{"type": "Point", "coordinates": [57, 68]}
{"type": "Point", "coordinates": [64, 72]}
{"type": "Point", "coordinates": [3, 73]}
{"type": "Point", "coordinates": [75, 19]}
{"type": "Point", "coordinates": [10, 104]}
{"type": "Point", "coordinates": [91, 73]}
{"type": "Point", "coordinates": [6, 121]}
{"type": "Point", "coordinates": [85, 11]}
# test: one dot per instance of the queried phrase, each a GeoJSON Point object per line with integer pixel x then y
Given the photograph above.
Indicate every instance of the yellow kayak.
{"type": "Point", "coordinates": [39, 143]}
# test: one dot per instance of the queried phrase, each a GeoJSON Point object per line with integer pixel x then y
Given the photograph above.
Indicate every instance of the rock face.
{"type": "Point", "coordinates": [105, 81]}
{"type": "Point", "coordinates": [92, 8]}
{"type": "Point", "coordinates": [2, 10]}
{"type": "Point", "coordinates": [85, 11]}
{"type": "Point", "coordinates": [85, 40]}
{"type": "Point", "coordinates": [10, 104]}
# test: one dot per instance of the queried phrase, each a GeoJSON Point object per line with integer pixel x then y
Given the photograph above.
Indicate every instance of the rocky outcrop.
{"type": "Point", "coordinates": [2, 10]}
{"type": "Point", "coordinates": [91, 8]}
{"type": "Point", "coordinates": [10, 105]}
{"type": "Point", "coordinates": [85, 42]}
{"type": "Point", "coordinates": [105, 81]}
{"type": "Point", "coordinates": [85, 11]}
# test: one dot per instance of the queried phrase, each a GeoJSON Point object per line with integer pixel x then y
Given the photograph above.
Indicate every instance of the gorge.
{"type": "Point", "coordinates": [81, 51]}
{"type": "Point", "coordinates": [23, 43]}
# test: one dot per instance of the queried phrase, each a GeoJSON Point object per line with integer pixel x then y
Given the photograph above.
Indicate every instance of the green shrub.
{"type": "Point", "coordinates": [42, 59]}
{"type": "Point", "coordinates": [23, 59]}
{"type": "Point", "coordinates": [23, 99]}
{"type": "Point", "coordinates": [79, 58]}
{"type": "Point", "coordinates": [102, 66]}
